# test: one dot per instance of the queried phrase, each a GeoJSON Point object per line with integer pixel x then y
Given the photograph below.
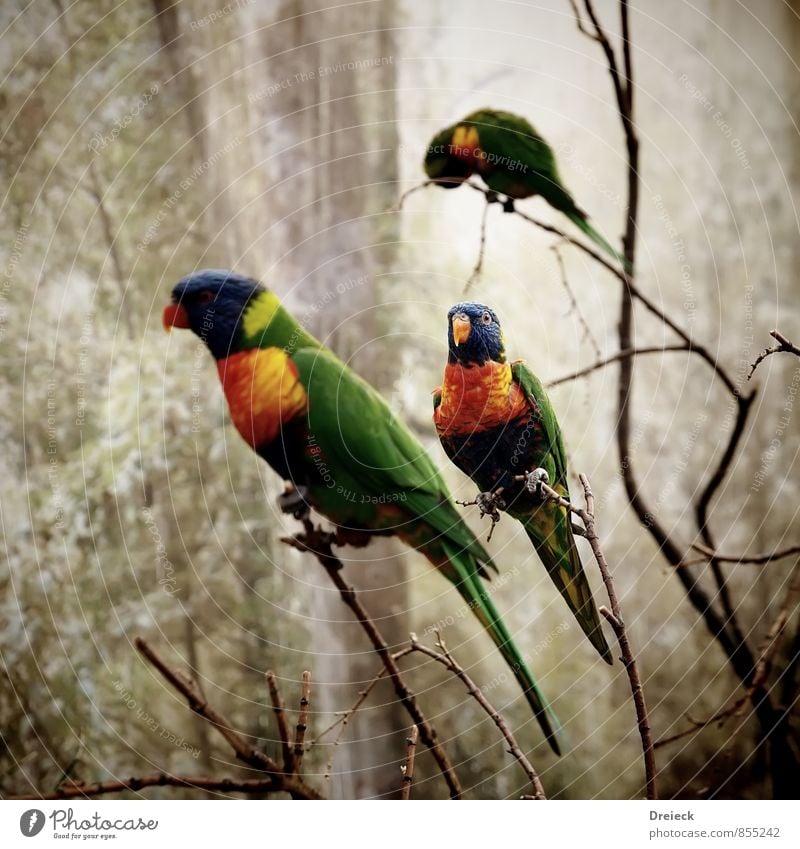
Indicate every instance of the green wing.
{"type": "Point", "coordinates": [517, 161]}
{"type": "Point", "coordinates": [365, 443]}
{"type": "Point", "coordinates": [549, 526]}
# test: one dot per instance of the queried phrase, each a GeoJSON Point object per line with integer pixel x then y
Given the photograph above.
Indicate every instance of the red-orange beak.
{"type": "Point", "coordinates": [462, 327]}
{"type": "Point", "coordinates": [175, 316]}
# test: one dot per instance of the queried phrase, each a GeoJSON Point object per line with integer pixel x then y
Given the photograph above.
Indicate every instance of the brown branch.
{"type": "Point", "coordinates": [302, 723]}
{"type": "Point", "coordinates": [406, 194]}
{"type": "Point", "coordinates": [579, 21]}
{"type": "Point", "coordinates": [346, 715]}
{"type": "Point", "coordinates": [724, 629]}
{"type": "Point", "coordinates": [78, 790]}
{"type": "Point", "coordinates": [476, 271]}
{"type": "Point", "coordinates": [762, 668]}
{"type": "Point", "coordinates": [614, 618]}
{"type": "Point", "coordinates": [574, 305]}
{"type": "Point", "coordinates": [408, 767]}
{"type": "Point", "coordinates": [756, 559]}
{"type": "Point", "coordinates": [702, 506]}
{"type": "Point", "coordinates": [620, 355]}
{"type": "Point", "coordinates": [698, 725]}
{"type": "Point", "coordinates": [280, 719]}
{"type": "Point", "coordinates": [318, 543]}
{"type": "Point", "coordinates": [244, 751]}
{"type": "Point", "coordinates": [784, 346]}
{"type": "Point", "coordinates": [695, 347]}
{"type": "Point", "coordinates": [446, 659]}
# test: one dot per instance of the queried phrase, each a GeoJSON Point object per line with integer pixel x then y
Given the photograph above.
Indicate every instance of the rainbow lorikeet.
{"type": "Point", "coordinates": [511, 158]}
{"type": "Point", "coordinates": [333, 438]}
{"type": "Point", "coordinates": [496, 424]}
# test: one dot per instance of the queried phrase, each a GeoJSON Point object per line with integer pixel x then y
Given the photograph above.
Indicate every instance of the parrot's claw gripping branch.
{"type": "Point", "coordinates": [535, 481]}
{"type": "Point", "coordinates": [490, 504]}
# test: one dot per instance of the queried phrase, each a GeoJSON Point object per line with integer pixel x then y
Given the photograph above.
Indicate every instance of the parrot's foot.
{"type": "Point", "coordinates": [492, 196]}
{"type": "Point", "coordinates": [508, 205]}
{"type": "Point", "coordinates": [534, 481]}
{"type": "Point", "coordinates": [490, 504]}
{"type": "Point", "coordinates": [293, 501]}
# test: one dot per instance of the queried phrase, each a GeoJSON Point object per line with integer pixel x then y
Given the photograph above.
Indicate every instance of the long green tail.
{"type": "Point", "coordinates": [554, 542]}
{"type": "Point", "coordinates": [582, 223]}
{"type": "Point", "coordinates": [473, 592]}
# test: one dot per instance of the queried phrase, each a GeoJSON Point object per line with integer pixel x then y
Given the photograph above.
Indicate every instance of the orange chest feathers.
{"type": "Point", "coordinates": [263, 391]}
{"type": "Point", "coordinates": [478, 398]}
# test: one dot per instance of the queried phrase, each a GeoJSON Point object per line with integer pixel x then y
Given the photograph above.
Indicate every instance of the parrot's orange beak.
{"type": "Point", "coordinates": [175, 316]}
{"type": "Point", "coordinates": [462, 327]}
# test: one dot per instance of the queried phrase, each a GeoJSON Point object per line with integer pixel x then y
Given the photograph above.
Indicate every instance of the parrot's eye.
{"type": "Point", "coordinates": [486, 318]}
{"type": "Point", "coordinates": [205, 297]}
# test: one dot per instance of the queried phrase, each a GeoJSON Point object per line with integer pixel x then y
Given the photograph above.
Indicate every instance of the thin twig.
{"type": "Point", "coordinates": [444, 657]}
{"type": "Point", "coordinates": [345, 716]}
{"type": "Point", "coordinates": [302, 723]}
{"type": "Point", "coordinates": [574, 305]}
{"type": "Point", "coordinates": [318, 543]}
{"type": "Point", "coordinates": [620, 355]}
{"type": "Point", "coordinates": [579, 21]}
{"type": "Point", "coordinates": [762, 668]}
{"type": "Point", "coordinates": [187, 687]}
{"type": "Point", "coordinates": [78, 790]}
{"type": "Point", "coordinates": [411, 191]}
{"type": "Point", "coordinates": [614, 618]}
{"type": "Point", "coordinates": [280, 719]}
{"type": "Point", "coordinates": [476, 271]}
{"type": "Point", "coordinates": [408, 767]}
{"type": "Point", "coordinates": [755, 559]}
{"type": "Point", "coordinates": [784, 346]}
{"type": "Point", "coordinates": [696, 347]}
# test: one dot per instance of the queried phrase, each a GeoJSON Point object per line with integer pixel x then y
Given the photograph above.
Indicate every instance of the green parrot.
{"type": "Point", "coordinates": [336, 443]}
{"type": "Point", "coordinates": [512, 159]}
{"type": "Point", "coordinates": [496, 424]}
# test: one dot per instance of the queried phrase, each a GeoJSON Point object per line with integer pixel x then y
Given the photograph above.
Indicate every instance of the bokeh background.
{"type": "Point", "coordinates": [141, 141]}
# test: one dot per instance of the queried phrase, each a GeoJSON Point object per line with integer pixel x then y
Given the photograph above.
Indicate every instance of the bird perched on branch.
{"type": "Point", "coordinates": [336, 443]}
{"type": "Point", "coordinates": [496, 424]}
{"type": "Point", "coordinates": [507, 153]}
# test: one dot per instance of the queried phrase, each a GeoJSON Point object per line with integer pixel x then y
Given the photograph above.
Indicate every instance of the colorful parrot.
{"type": "Point", "coordinates": [496, 424]}
{"type": "Point", "coordinates": [512, 159]}
{"type": "Point", "coordinates": [336, 443]}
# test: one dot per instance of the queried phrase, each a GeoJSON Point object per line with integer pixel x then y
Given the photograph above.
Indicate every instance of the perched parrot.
{"type": "Point", "coordinates": [336, 443]}
{"type": "Point", "coordinates": [512, 159]}
{"type": "Point", "coordinates": [496, 424]}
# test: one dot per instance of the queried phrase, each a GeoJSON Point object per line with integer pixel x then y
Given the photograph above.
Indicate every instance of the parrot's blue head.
{"type": "Point", "coordinates": [212, 303]}
{"type": "Point", "coordinates": [474, 335]}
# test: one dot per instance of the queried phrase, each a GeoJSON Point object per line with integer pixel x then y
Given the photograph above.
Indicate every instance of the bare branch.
{"type": "Point", "coordinates": [280, 718]}
{"type": "Point", "coordinates": [614, 618]}
{"type": "Point", "coordinates": [408, 767]}
{"type": "Point", "coordinates": [244, 751]}
{"type": "Point", "coordinates": [302, 723]}
{"type": "Point", "coordinates": [406, 194]}
{"type": "Point", "coordinates": [318, 543]}
{"type": "Point", "coordinates": [579, 21]}
{"type": "Point", "coordinates": [574, 305]}
{"type": "Point", "coordinates": [620, 355]}
{"type": "Point", "coordinates": [784, 346]}
{"type": "Point", "coordinates": [446, 659]}
{"type": "Point", "coordinates": [78, 790]}
{"type": "Point", "coordinates": [476, 271]}
{"type": "Point", "coordinates": [756, 559]}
